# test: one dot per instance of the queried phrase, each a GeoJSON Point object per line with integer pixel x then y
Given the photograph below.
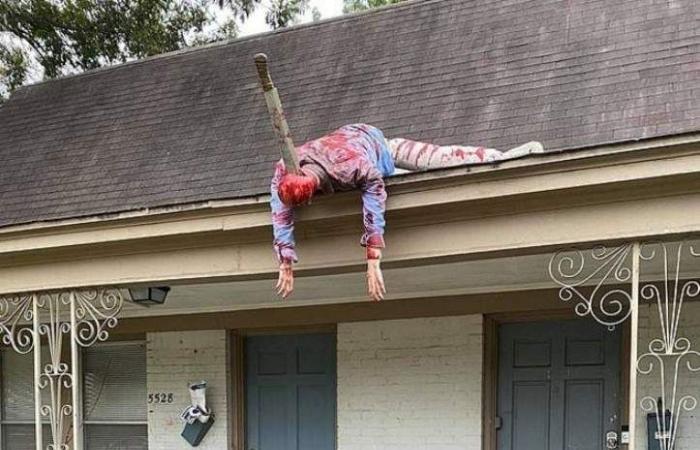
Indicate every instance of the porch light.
{"type": "Point", "coordinates": [149, 295]}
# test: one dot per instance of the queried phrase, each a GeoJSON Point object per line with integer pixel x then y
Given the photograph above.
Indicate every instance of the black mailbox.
{"type": "Point", "coordinates": [656, 435]}
{"type": "Point", "coordinates": [194, 432]}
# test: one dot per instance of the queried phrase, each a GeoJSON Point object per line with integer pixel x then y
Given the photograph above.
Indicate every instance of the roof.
{"type": "Point", "coordinates": [191, 126]}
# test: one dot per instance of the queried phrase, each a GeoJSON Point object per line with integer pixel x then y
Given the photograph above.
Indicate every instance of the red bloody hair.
{"type": "Point", "coordinates": [296, 190]}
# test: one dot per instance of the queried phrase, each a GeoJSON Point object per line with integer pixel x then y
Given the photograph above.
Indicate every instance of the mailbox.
{"type": "Point", "coordinates": [655, 436]}
{"type": "Point", "coordinates": [194, 432]}
{"type": "Point", "coordinates": [197, 417]}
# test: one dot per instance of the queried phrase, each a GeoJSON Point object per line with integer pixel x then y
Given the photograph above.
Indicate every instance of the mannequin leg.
{"type": "Point", "coordinates": [413, 155]}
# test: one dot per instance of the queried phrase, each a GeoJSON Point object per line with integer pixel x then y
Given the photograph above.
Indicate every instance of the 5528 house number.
{"type": "Point", "coordinates": [160, 397]}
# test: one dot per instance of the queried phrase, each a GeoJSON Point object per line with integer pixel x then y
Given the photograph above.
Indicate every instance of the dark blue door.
{"type": "Point", "coordinates": [558, 385]}
{"type": "Point", "coordinates": [291, 392]}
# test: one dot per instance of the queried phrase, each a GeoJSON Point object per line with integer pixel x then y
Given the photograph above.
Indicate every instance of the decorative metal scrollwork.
{"type": "Point", "coordinates": [93, 312]}
{"type": "Point", "coordinates": [591, 279]}
{"type": "Point", "coordinates": [671, 354]}
{"type": "Point", "coordinates": [96, 312]}
{"type": "Point", "coordinates": [56, 376]}
{"type": "Point", "coordinates": [15, 322]}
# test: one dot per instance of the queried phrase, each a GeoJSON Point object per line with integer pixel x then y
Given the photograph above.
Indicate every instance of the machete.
{"type": "Point", "coordinates": [279, 123]}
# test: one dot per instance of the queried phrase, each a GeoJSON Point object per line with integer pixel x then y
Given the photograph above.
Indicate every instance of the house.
{"type": "Point", "coordinates": [155, 174]}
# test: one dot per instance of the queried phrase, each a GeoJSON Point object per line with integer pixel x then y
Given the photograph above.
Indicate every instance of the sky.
{"type": "Point", "coordinates": [328, 8]}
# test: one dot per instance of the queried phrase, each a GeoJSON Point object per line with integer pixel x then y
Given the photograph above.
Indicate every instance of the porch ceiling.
{"type": "Point", "coordinates": [459, 278]}
{"type": "Point", "coordinates": [500, 274]}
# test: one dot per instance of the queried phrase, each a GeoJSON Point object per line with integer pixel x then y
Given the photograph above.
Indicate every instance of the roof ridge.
{"type": "Point", "coordinates": [406, 4]}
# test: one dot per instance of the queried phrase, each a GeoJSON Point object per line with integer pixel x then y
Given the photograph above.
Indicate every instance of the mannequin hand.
{"type": "Point", "coordinates": [285, 282]}
{"type": "Point", "coordinates": [375, 281]}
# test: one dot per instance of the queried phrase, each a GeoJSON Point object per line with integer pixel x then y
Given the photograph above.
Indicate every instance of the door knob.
{"type": "Point", "coordinates": [611, 440]}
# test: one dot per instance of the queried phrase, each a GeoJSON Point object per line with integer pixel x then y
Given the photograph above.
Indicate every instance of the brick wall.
{"type": "Point", "coordinates": [174, 360]}
{"type": "Point", "coordinates": [410, 384]}
{"type": "Point", "coordinates": [689, 384]}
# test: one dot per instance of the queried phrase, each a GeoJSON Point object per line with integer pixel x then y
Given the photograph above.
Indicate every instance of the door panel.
{"type": "Point", "coordinates": [291, 392]}
{"type": "Point", "coordinates": [583, 413]}
{"type": "Point", "coordinates": [270, 416]}
{"type": "Point", "coordinates": [558, 385]}
{"type": "Point", "coordinates": [315, 421]}
{"type": "Point", "coordinates": [531, 413]}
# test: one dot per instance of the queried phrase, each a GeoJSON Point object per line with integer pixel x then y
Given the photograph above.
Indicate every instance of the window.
{"type": "Point", "coordinates": [114, 397]}
{"type": "Point", "coordinates": [17, 398]}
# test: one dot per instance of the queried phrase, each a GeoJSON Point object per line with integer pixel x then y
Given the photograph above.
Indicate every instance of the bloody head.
{"type": "Point", "coordinates": [295, 190]}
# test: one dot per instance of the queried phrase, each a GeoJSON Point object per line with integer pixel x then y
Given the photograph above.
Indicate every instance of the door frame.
{"type": "Point", "coordinates": [489, 390]}
{"type": "Point", "coordinates": [236, 373]}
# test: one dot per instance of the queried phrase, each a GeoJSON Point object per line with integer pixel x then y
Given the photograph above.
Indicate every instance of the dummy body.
{"type": "Point", "coordinates": [359, 157]}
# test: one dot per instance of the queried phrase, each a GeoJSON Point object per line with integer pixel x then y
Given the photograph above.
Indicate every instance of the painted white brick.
{"type": "Point", "coordinates": [689, 383]}
{"type": "Point", "coordinates": [176, 359]}
{"type": "Point", "coordinates": [410, 384]}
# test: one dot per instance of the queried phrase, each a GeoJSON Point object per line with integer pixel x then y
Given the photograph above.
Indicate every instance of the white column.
{"type": "Point", "coordinates": [76, 378]}
{"type": "Point", "coordinates": [37, 372]}
{"type": "Point", "coordinates": [634, 337]}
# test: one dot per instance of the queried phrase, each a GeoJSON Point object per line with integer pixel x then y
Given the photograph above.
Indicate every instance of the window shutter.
{"type": "Point", "coordinates": [17, 395]}
{"type": "Point", "coordinates": [111, 437]}
{"type": "Point", "coordinates": [17, 386]}
{"type": "Point", "coordinates": [21, 437]}
{"type": "Point", "coordinates": [114, 384]}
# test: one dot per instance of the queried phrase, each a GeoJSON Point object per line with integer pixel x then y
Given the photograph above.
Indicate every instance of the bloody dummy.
{"type": "Point", "coordinates": [359, 157]}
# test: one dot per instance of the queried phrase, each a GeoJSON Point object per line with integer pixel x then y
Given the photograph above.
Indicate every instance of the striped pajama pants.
{"type": "Point", "coordinates": [413, 155]}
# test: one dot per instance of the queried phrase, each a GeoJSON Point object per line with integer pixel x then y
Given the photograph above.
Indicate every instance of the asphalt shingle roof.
{"type": "Point", "coordinates": [192, 126]}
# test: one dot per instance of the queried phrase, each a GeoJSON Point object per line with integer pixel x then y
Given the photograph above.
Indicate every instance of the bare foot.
{"type": "Point", "coordinates": [529, 148]}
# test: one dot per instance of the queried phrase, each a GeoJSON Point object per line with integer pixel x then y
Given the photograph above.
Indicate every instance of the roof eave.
{"type": "Point", "coordinates": [561, 161]}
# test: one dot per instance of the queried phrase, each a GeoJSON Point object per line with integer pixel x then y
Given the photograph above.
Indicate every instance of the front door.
{"type": "Point", "coordinates": [558, 385]}
{"type": "Point", "coordinates": [290, 392]}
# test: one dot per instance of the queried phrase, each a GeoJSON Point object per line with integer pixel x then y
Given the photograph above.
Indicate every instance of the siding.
{"type": "Point", "coordinates": [410, 384]}
{"type": "Point", "coordinates": [174, 360]}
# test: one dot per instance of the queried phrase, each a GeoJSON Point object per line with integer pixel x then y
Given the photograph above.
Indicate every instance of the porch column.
{"type": "Point", "coordinates": [38, 435]}
{"type": "Point", "coordinates": [83, 317]}
{"type": "Point", "coordinates": [634, 337]}
{"type": "Point", "coordinates": [603, 284]}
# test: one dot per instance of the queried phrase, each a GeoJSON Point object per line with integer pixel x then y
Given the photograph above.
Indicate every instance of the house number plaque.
{"type": "Point", "coordinates": [161, 398]}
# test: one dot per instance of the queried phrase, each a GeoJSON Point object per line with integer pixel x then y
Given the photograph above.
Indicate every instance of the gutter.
{"type": "Point", "coordinates": [553, 162]}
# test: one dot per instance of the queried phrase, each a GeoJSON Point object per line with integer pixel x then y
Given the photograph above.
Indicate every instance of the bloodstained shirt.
{"type": "Point", "coordinates": [354, 156]}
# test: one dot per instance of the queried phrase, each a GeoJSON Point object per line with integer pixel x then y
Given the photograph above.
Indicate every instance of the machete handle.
{"type": "Point", "coordinates": [263, 72]}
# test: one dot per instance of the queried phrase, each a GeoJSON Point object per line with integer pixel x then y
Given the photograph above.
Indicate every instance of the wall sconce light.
{"type": "Point", "coordinates": [149, 296]}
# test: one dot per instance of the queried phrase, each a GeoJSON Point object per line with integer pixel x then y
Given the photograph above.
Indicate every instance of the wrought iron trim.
{"type": "Point", "coordinates": [577, 271]}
